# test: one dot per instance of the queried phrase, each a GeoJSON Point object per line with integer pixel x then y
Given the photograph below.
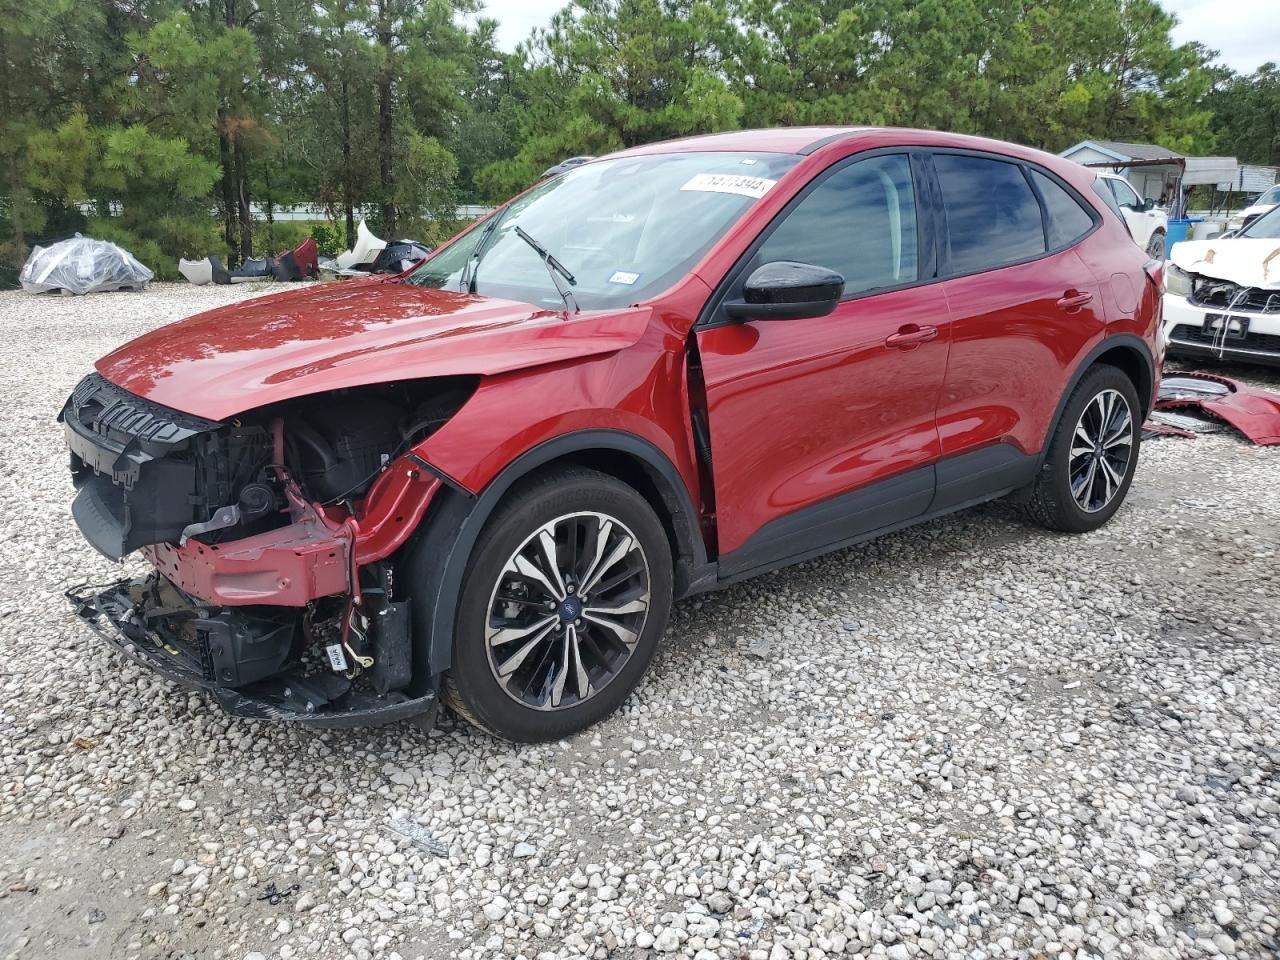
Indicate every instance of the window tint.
{"type": "Point", "coordinates": [1125, 194]}
{"type": "Point", "coordinates": [1068, 221]}
{"type": "Point", "coordinates": [992, 215]}
{"type": "Point", "coordinates": [1101, 188]}
{"type": "Point", "coordinates": [860, 221]}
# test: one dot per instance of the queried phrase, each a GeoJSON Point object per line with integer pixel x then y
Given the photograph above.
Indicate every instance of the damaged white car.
{"type": "Point", "coordinates": [1222, 297]}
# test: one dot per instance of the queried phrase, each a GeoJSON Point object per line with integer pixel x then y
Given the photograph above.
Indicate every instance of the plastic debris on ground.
{"type": "Point", "coordinates": [372, 255]}
{"type": "Point", "coordinates": [82, 265]}
{"type": "Point", "coordinates": [399, 256]}
{"type": "Point", "coordinates": [365, 251]}
{"type": "Point", "coordinates": [416, 834]}
{"type": "Point", "coordinates": [299, 263]}
{"type": "Point", "coordinates": [1185, 400]}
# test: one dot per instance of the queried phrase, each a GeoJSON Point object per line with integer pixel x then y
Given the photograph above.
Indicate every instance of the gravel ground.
{"type": "Point", "coordinates": [970, 739]}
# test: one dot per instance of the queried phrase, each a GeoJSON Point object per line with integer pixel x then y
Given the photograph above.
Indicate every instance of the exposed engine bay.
{"type": "Point", "coordinates": [265, 507]}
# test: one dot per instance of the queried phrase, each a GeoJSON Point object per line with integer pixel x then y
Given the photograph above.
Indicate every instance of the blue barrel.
{"type": "Point", "coordinates": [1179, 230]}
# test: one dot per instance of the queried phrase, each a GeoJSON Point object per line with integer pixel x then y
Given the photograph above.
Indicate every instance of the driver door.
{"type": "Point", "coordinates": [823, 429]}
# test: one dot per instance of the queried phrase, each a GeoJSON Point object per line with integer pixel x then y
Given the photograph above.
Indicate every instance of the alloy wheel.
{"type": "Point", "coordinates": [567, 610]}
{"type": "Point", "coordinates": [1101, 451]}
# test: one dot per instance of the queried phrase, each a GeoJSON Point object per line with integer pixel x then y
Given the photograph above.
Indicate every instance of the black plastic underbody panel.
{"type": "Point", "coordinates": [833, 521]}
{"type": "Point", "coordinates": [995, 469]}
{"type": "Point", "coordinates": [915, 496]}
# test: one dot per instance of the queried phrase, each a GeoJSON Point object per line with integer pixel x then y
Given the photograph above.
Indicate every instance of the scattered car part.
{"type": "Point", "coordinates": [197, 272]}
{"type": "Point", "coordinates": [364, 252]}
{"type": "Point", "coordinates": [81, 265]}
{"type": "Point", "coordinates": [417, 834]}
{"type": "Point", "coordinates": [276, 897]}
{"type": "Point", "coordinates": [300, 263]}
{"type": "Point", "coordinates": [1253, 412]}
{"type": "Point", "coordinates": [399, 256]}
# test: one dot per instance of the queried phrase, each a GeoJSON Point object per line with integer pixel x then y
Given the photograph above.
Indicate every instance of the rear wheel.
{"type": "Point", "coordinates": [1155, 246]}
{"type": "Point", "coordinates": [1092, 456]}
{"type": "Point", "coordinates": [564, 601]}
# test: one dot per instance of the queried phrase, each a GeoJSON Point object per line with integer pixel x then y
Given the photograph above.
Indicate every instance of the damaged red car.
{"type": "Point", "coordinates": [657, 373]}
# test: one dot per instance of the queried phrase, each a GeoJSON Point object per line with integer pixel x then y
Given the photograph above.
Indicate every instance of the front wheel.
{"type": "Point", "coordinates": [565, 598]}
{"type": "Point", "coordinates": [1092, 456]}
{"type": "Point", "coordinates": [1155, 246]}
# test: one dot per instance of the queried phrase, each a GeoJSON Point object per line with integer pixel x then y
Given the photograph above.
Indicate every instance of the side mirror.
{"type": "Point", "coordinates": [1149, 204]}
{"type": "Point", "coordinates": [787, 290]}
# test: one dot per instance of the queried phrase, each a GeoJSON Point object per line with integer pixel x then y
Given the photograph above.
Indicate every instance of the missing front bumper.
{"type": "Point", "coordinates": [316, 700]}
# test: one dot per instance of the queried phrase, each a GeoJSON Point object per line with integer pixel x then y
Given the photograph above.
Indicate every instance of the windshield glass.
{"type": "Point", "coordinates": [1266, 227]}
{"type": "Point", "coordinates": [626, 229]}
{"type": "Point", "coordinates": [1271, 196]}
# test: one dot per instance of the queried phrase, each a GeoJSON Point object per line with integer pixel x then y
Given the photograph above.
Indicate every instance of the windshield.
{"type": "Point", "coordinates": [1271, 196]}
{"type": "Point", "coordinates": [1266, 227]}
{"type": "Point", "coordinates": [626, 229]}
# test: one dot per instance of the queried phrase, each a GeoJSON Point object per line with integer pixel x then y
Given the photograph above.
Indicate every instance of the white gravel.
{"type": "Point", "coordinates": [972, 739]}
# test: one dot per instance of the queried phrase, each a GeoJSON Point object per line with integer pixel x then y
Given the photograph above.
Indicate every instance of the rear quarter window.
{"type": "Point", "coordinates": [1068, 220]}
{"type": "Point", "coordinates": [1104, 193]}
{"type": "Point", "coordinates": [993, 218]}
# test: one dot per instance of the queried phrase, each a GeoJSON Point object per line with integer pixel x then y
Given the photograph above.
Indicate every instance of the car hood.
{"type": "Point", "coordinates": [346, 334]}
{"type": "Point", "coordinates": [1247, 261]}
{"type": "Point", "coordinates": [1256, 210]}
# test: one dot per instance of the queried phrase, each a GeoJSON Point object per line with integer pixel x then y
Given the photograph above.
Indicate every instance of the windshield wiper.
{"type": "Point", "coordinates": [467, 282]}
{"type": "Point", "coordinates": [555, 269]}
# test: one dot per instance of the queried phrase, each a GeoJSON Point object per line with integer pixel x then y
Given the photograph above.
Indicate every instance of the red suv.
{"type": "Point", "coordinates": [654, 374]}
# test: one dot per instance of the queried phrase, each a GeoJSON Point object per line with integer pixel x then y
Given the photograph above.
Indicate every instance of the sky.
{"type": "Point", "coordinates": [1246, 33]}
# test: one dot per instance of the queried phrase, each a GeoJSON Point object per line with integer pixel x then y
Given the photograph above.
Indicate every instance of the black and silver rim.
{"type": "Point", "coordinates": [567, 611]}
{"type": "Point", "coordinates": [1101, 451]}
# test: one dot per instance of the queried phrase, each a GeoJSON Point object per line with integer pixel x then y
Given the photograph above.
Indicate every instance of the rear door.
{"type": "Point", "coordinates": [1023, 306]}
{"type": "Point", "coordinates": [823, 428]}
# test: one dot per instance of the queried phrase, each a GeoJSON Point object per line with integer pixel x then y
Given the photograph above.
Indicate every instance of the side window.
{"type": "Point", "coordinates": [1068, 221]}
{"type": "Point", "coordinates": [1125, 195]}
{"type": "Point", "coordinates": [1102, 187]}
{"type": "Point", "coordinates": [860, 221]}
{"type": "Point", "coordinates": [992, 215]}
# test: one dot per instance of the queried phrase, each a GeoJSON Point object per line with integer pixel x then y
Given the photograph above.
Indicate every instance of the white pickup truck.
{"type": "Point", "coordinates": [1147, 222]}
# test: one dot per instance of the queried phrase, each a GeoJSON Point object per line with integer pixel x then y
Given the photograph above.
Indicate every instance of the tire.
{"type": "Point", "coordinates": [1155, 246]}
{"type": "Point", "coordinates": [604, 645]}
{"type": "Point", "coordinates": [1059, 500]}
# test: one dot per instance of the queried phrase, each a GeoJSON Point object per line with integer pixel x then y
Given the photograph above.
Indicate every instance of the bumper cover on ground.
{"type": "Point", "coordinates": [110, 613]}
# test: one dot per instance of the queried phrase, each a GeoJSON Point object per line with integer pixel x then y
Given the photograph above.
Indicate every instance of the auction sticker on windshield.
{"type": "Point", "coordinates": [737, 183]}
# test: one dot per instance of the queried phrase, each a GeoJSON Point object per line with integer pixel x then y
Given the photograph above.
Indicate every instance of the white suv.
{"type": "Point", "coordinates": [1147, 222]}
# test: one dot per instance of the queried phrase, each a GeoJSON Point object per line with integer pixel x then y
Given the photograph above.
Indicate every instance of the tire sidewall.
{"type": "Point", "coordinates": [526, 508]}
{"type": "Point", "coordinates": [1096, 381]}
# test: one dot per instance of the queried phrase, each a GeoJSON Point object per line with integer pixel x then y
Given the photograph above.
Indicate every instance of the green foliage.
{"type": "Point", "coordinates": [330, 239]}
{"type": "Point", "coordinates": [1246, 115]}
{"type": "Point", "coordinates": [165, 121]}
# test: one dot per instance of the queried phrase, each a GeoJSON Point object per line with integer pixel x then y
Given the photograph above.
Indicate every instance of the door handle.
{"type": "Point", "coordinates": [1073, 300]}
{"type": "Point", "coordinates": [910, 336]}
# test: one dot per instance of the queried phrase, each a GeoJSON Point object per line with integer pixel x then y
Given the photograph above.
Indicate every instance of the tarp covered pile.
{"type": "Point", "coordinates": [82, 265]}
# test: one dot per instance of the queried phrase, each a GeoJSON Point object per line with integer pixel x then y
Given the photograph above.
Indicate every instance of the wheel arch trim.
{"type": "Point", "coordinates": [1131, 344]}
{"type": "Point", "coordinates": [440, 552]}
